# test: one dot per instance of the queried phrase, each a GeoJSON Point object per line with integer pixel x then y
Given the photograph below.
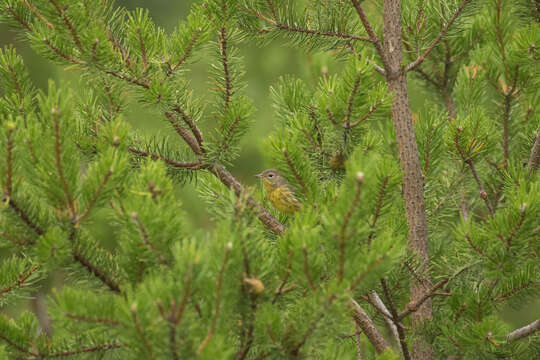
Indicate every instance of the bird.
{"type": "Point", "coordinates": [279, 192]}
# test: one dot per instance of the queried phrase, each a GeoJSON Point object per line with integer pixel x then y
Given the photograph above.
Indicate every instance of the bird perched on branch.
{"type": "Point", "coordinates": [279, 192]}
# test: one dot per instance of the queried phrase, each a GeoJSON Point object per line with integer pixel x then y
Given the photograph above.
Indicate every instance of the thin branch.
{"type": "Point", "coordinates": [9, 161]}
{"type": "Point", "coordinates": [413, 306]}
{"type": "Point", "coordinates": [534, 158]}
{"type": "Point", "coordinates": [139, 330]}
{"type": "Point", "coordinates": [378, 207]}
{"type": "Point", "coordinates": [443, 31]}
{"type": "Point", "coordinates": [17, 346]}
{"type": "Point", "coordinates": [217, 305]}
{"type": "Point", "coordinates": [146, 238]}
{"type": "Point", "coordinates": [127, 78]}
{"type": "Point", "coordinates": [186, 53]}
{"type": "Point", "coordinates": [94, 199]}
{"type": "Point", "coordinates": [61, 54]}
{"type": "Point", "coordinates": [222, 40]}
{"type": "Point", "coordinates": [306, 269]}
{"type": "Point", "coordinates": [191, 165]}
{"type": "Point", "coordinates": [379, 305]}
{"type": "Point", "coordinates": [368, 327]}
{"type": "Point", "coordinates": [95, 271]}
{"type": "Point", "coordinates": [69, 25]}
{"type": "Point", "coordinates": [20, 283]}
{"type": "Point", "coordinates": [372, 108]}
{"type": "Point", "coordinates": [24, 217]}
{"type": "Point", "coordinates": [38, 14]}
{"type": "Point", "coordinates": [87, 319]}
{"type": "Point", "coordinates": [524, 331]}
{"type": "Point", "coordinates": [307, 31]}
{"type": "Point", "coordinates": [279, 290]}
{"type": "Point", "coordinates": [59, 166]}
{"type": "Point", "coordinates": [184, 134]}
{"type": "Point", "coordinates": [143, 48]}
{"type": "Point", "coordinates": [294, 171]}
{"type": "Point", "coordinates": [373, 38]}
{"type": "Point", "coordinates": [101, 347]}
{"type": "Point", "coordinates": [342, 240]}
{"type": "Point", "coordinates": [350, 101]}
{"type": "Point", "coordinates": [483, 193]}
{"type": "Point", "coordinates": [396, 320]}
{"type": "Point", "coordinates": [357, 341]}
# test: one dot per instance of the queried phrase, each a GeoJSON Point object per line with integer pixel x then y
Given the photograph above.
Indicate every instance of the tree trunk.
{"type": "Point", "coordinates": [413, 188]}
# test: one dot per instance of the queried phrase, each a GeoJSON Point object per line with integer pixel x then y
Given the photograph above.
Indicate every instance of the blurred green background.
{"type": "Point", "coordinates": [263, 66]}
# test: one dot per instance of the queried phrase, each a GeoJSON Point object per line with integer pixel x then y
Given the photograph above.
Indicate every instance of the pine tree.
{"type": "Point", "coordinates": [425, 224]}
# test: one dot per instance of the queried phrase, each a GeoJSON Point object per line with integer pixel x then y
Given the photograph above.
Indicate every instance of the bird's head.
{"type": "Point", "coordinates": [272, 179]}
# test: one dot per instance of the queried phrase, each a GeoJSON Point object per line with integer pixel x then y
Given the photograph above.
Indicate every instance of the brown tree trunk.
{"type": "Point", "coordinates": [413, 188]}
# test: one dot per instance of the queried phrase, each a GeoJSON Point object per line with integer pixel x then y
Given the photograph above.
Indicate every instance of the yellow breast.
{"type": "Point", "coordinates": [282, 198]}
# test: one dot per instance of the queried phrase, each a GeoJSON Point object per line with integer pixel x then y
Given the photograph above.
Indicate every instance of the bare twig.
{"type": "Point", "coordinates": [379, 305]}
{"type": "Point", "coordinates": [395, 318]}
{"type": "Point", "coordinates": [483, 193]}
{"type": "Point", "coordinates": [524, 331]}
{"type": "Point", "coordinates": [368, 327]}
{"type": "Point", "coordinates": [413, 306]}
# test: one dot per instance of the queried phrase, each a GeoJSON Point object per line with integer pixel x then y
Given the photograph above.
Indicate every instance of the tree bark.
{"type": "Point", "coordinates": [413, 188]}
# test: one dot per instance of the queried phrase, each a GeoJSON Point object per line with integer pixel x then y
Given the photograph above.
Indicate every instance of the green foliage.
{"type": "Point", "coordinates": [280, 287]}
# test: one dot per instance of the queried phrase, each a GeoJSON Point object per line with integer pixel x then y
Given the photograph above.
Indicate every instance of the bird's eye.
{"type": "Point", "coordinates": [270, 175]}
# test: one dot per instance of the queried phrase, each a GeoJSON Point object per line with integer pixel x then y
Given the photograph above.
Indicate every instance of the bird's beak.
{"type": "Point", "coordinates": [259, 175]}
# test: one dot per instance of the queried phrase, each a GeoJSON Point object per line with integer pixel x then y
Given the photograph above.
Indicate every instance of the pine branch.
{"type": "Point", "coordinates": [350, 101]}
{"type": "Point", "coordinates": [376, 301]}
{"type": "Point", "coordinates": [185, 54]}
{"type": "Point", "coordinates": [9, 159]}
{"type": "Point", "coordinates": [140, 332]}
{"type": "Point", "coordinates": [306, 269]}
{"type": "Point", "coordinates": [524, 331]}
{"type": "Point", "coordinates": [20, 283]}
{"type": "Point", "coordinates": [38, 14]}
{"type": "Point", "coordinates": [378, 207]}
{"type": "Point", "coordinates": [483, 193]}
{"type": "Point", "coordinates": [146, 239]}
{"type": "Point", "coordinates": [192, 125]}
{"type": "Point", "coordinates": [69, 25]}
{"type": "Point", "coordinates": [95, 198]}
{"type": "Point", "coordinates": [373, 38]}
{"type": "Point", "coordinates": [184, 134]}
{"type": "Point", "coordinates": [294, 171]}
{"type": "Point", "coordinates": [395, 318]}
{"type": "Point", "coordinates": [191, 165]}
{"type": "Point", "coordinates": [59, 165]}
{"type": "Point", "coordinates": [342, 240]}
{"type": "Point", "coordinates": [93, 320]}
{"type": "Point", "coordinates": [217, 305]}
{"type": "Point", "coordinates": [443, 31]}
{"type": "Point", "coordinates": [297, 29]}
{"type": "Point", "coordinates": [534, 158]}
{"type": "Point", "coordinates": [413, 306]}
{"type": "Point", "coordinates": [101, 347]}
{"type": "Point", "coordinates": [127, 78]}
{"type": "Point", "coordinates": [222, 40]}
{"type": "Point", "coordinates": [24, 217]}
{"type": "Point", "coordinates": [143, 48]}
{"type": "Point", "coordinates": [280, 289]}
{"type": "Point", "coordinates": [17, 346]}
{"type": "Point", "coordinates": [368, 327]}
{"type": "Point", "coordinates": [348, 125]}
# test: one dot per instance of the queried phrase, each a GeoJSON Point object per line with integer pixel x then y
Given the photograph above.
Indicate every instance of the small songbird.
{"type": "Point", "coordinates": [279, 192]}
